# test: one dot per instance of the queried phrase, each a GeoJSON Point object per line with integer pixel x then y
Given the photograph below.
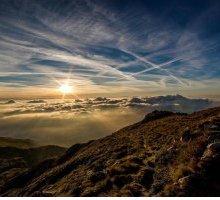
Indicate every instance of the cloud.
{"type": "Point", "coordinates": [66, 129]}
{"type": "Point", "coordinates": [37, 101]}
{"type": "Point", "coordinates": [65, 122]}
{"type": "Point", "coordinates": [78, 106]}
{"type": "Point", "coordinates": [10, 101]}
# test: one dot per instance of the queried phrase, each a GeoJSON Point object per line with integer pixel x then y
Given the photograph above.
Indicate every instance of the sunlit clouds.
{"type": "Point", "coordinates": [65, 122]}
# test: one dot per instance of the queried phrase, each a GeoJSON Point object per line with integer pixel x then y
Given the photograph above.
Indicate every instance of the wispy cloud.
{"type": "Point", "coordinates": [96, 45]}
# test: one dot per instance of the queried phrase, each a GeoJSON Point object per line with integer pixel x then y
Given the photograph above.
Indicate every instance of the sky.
{"type": "Point", "coordinates": [109, 47]}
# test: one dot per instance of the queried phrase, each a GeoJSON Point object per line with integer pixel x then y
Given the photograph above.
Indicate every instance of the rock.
{"type": "Point", "coordinates": [213, 161]}
{"type": "Point", "coordinates": [184, 181]}
{"type": "Point", "coordinates": [212, 151]}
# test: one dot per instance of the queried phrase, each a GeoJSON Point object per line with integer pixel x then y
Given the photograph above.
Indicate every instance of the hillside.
{"type": "Point", "coordinates": [19, 155]}
{"type": "Point", "coordinates": [165, 154]}
{"type": "Point", "coordinates": [17, 143]}
{"type": "Point", "coordinates": [31, 156]}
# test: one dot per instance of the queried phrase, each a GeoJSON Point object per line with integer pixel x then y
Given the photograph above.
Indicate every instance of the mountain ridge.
{"type": "Point", "coordinates": [165, 154]}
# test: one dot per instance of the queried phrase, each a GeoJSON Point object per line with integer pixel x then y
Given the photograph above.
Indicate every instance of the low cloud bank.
{"type": "Point", "coordinates": [175, 103]}
{"type": "Point", "coordinates": [65, 122]}
{"type": "Point", "coordinates": [37, 101]}
{"type": "Point", "coordinates": [66, 129]}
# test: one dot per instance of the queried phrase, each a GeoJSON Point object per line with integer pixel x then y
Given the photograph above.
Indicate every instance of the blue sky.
{"type": "Point", "coordinates": [110, 47]}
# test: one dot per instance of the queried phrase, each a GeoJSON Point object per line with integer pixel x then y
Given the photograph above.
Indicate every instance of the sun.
{"type": "Point", "coordinates": [65, 89]}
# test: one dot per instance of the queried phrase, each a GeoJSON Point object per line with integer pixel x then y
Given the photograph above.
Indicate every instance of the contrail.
{"type": "Point", "coordinates": [118, 67]}
{"type": "Point", "coordinates": [154, 66]}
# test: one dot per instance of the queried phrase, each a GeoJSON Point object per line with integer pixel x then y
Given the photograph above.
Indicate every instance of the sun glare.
{"type": "Point", "coordinates": [65, 89]}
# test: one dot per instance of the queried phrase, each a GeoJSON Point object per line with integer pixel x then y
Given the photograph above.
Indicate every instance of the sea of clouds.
{"type": "Point", "coordinates": [65, 122]}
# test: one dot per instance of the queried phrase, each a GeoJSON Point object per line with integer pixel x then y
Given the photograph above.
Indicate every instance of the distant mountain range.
{"type": "Point", "coordinates": [174, 103]}
{"type": "Point", "coordinates": [168, 99]}
{"type": "Point", "coordinates": [165, 154]}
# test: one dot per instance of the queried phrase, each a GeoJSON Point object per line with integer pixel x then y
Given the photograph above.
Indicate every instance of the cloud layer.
{"type": "Point", "coordinates": [65, 122]}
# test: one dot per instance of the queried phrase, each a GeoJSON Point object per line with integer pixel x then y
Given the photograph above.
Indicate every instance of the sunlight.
{"type": "Point", "coordinates": [66, 89]}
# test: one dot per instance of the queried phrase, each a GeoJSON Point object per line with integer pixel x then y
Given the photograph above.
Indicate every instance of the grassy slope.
{"type": "Point", "coordinates": [145, 159]}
